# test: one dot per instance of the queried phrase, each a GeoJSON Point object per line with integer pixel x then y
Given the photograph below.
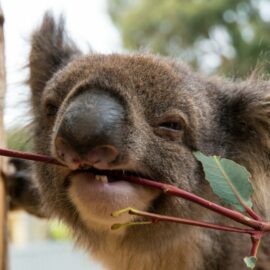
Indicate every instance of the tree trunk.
{"type": "Point", "coordinates": [3, 198]}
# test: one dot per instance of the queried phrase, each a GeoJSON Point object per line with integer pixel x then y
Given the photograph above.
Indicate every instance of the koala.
{"type": "Point", "coordinates": [143, 115]}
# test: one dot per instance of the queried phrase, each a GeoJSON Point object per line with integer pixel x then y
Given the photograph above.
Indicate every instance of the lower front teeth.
{"type": "Point", "coordinates": [102, 178]}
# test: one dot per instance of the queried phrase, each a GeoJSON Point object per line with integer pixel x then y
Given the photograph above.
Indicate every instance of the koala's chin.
{"type": "Point", "coordinates": [96, 198]}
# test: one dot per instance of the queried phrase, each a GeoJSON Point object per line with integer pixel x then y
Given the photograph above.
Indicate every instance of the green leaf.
{"type": "Point", "coordinates": [229, 180]}
{"type": "Point", "coordinates": [250, 261]}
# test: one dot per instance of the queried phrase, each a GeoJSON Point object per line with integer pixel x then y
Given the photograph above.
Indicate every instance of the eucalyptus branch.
{"type": "Point", "coordinates": [232, 214]}
{"type": "Point", "coordinates": [256, 240]}
{"type": "Point", "coordinates": [154, 218]}
{"type": "Point", "coordinates": [252, 259]}
{"type": "Point", "coordinates": [258, 225]}
{"type": "Point", "coordinates": [29, 156]}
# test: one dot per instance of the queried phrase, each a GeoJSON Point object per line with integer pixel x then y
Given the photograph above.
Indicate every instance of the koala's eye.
{"type": "Point", "coordinates": [171, 125]}
{"type": "Point", "coordinates": [51, 109]}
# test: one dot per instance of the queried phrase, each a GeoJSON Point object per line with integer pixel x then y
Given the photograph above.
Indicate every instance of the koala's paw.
{"type": "Point", "coordinates": [20, 188]}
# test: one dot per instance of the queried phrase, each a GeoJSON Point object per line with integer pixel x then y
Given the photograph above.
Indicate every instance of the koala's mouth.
{"type": "Point", "coordinates": [98, 193]}
{"type": "Point", "coordinates": [108, 176]}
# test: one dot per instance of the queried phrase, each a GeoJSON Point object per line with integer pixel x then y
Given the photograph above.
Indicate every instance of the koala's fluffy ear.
{"type": "Point", "coordinates": [259, 117]}
{"type": "Point", "coordinates": [248, 109]}
{"type": "Point", "coordinates": [50, 50]}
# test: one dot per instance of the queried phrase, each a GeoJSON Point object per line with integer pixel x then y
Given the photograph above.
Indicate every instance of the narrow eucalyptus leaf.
{"type": "Point", "coordinates": [250, 262]}
{"type": "Point", "coordinates": [229, 180]}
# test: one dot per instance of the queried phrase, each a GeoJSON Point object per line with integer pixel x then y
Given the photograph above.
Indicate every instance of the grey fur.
{"type": "Point", "coordinates": [218, 117]}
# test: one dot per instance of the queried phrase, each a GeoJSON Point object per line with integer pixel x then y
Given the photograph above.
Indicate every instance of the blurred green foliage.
{"type": "Point", "coordinates": [225, 36]}
{"type": "Point", "coordinates": [18, 138]}
{"type": "Point", "coordinates": [58, 231]}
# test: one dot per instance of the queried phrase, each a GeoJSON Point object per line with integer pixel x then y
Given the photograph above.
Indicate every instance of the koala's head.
{"type": "Point", "coordinates": [140, 114]}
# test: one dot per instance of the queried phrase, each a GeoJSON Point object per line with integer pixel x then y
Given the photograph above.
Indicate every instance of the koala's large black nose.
{"type": "Point", "coordinates": [91, 130]}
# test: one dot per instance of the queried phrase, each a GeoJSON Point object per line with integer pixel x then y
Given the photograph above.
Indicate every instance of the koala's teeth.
{"type": "Point", "coordinates": [102, 178]}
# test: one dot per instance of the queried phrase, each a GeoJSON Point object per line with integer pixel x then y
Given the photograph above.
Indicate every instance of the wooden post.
{"type": "Point", "coordinates": [3, 198]}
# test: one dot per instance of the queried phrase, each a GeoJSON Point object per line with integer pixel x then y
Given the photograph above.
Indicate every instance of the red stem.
{"type": "Point", "coordinates": [253, 214]}
{"type": "Point", "coordinates": [157, 218]}
{"type": "Point", "coordinates": [29, 156]}
{"type": "Point", "coordinates": [256, 239]}
{"type": "Point", "coordinates": [172, 190]}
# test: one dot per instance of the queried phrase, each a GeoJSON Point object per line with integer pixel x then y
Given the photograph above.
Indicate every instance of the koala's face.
{"type": "Point", "coordinates": [138, 114]}
{"type": "Point", "coordinates": [142, 115]}
{"type": "Point", "coordinates": [135, 114]}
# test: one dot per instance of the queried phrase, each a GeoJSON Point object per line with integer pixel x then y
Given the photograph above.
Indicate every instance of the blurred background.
{"type": "Point", "coordinates": [226, 37]}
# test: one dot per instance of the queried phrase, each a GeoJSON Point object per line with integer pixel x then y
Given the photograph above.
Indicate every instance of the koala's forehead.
{"type": "Point", "coordinates": [149, 78]}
